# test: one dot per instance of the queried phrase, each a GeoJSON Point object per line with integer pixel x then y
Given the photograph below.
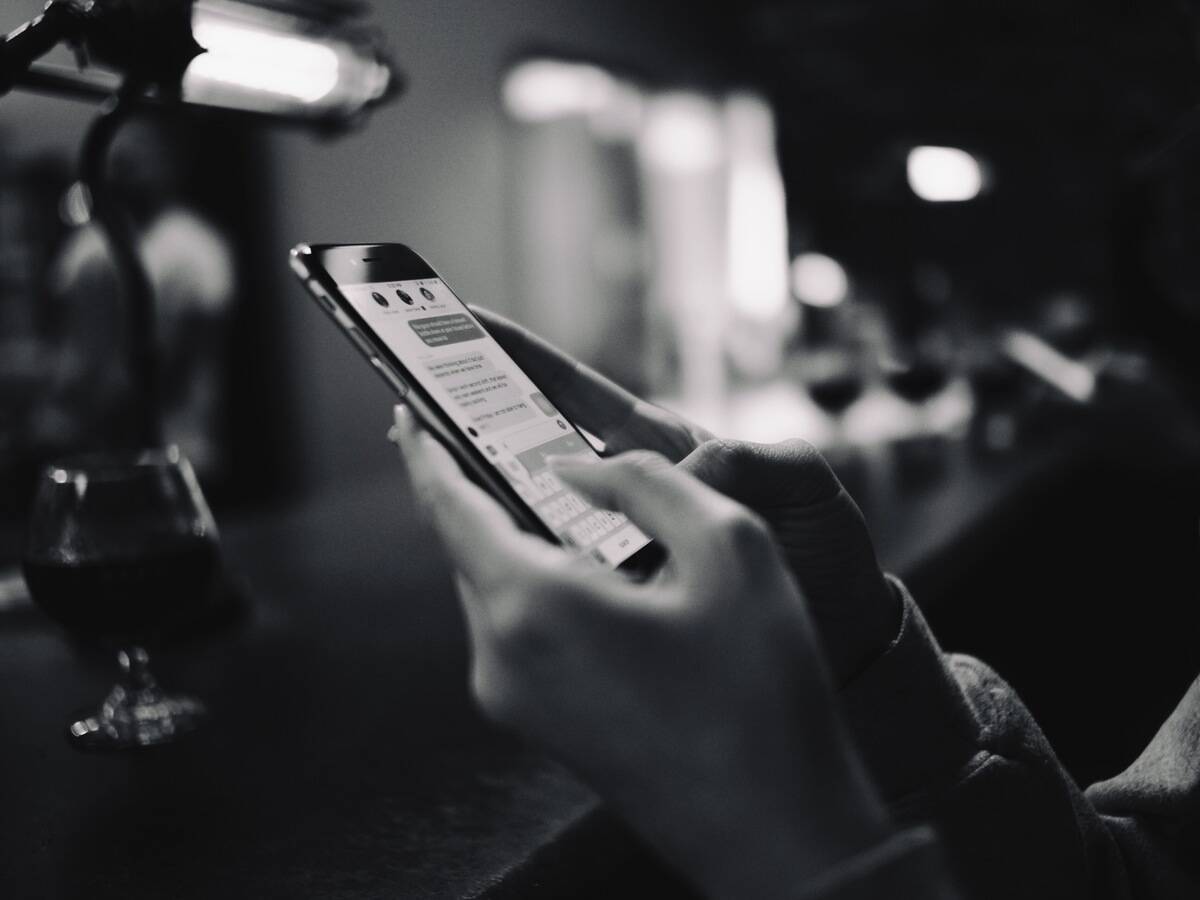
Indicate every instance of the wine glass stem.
{"type": "Point", "coordinates": [136, 712]}
{"type": "Point", "coordinates": [135, 667]}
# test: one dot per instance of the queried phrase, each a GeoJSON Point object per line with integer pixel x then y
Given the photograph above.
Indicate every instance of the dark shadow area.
{"type": "Point", "coordinates": [1090, 609]}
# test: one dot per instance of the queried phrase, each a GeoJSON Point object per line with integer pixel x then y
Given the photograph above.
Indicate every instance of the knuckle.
{"type": "Point", "coordinates": [803, 452]}
{"type": "Point", "coordinates": [744, 534]}
{"type": "Point", "coordinates": [430, 492]}
{"type": "Point", "coordinates": [493, 694]}
{"type": "Point", "coordinates": [525, 616]}
{"type": "Point", "coordinates": [514, 619]}
{"type": "Point", "coordinates": [812, 466]}
{"type": "Point", "coordinates": [721, 453]}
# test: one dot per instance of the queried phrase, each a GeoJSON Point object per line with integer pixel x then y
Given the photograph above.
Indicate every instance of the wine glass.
{"type": "Point", "coordinates": [122, 548]}
{"type": "Point", "coordinates": [996, 384]}
{"type": "Point", "coordinates": [917, 368]}
{"type": "Point", "coordinates": [834, 379]}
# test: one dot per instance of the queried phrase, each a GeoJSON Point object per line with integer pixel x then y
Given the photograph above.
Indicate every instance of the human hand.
{"type": "Point", "coordinates": [815, 522]}
{"type": "Point", "coordinates": [695, 703]}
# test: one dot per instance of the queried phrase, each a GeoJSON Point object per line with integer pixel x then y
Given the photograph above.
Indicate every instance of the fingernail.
{"type": "Point", "coordinates": [402, 416]}
{"type": "Point", "coordinates": [566, 465]}
{"type": "Point", "coordinates": [403, 428]}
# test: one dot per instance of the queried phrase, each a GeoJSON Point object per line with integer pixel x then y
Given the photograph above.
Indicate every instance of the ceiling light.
{"type": "Point", "coordinates": [944, 174]}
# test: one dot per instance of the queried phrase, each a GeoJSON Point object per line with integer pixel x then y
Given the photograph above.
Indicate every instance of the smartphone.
{"type": "Point", "coordinates": [437, 355]}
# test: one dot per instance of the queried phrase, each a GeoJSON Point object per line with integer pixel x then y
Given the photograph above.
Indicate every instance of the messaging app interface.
{"type": "Point", "coordinates": [495, 405]}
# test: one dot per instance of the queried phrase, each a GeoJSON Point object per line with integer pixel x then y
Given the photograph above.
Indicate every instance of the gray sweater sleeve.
{"type": "Point", "coordinates": [950, 744]}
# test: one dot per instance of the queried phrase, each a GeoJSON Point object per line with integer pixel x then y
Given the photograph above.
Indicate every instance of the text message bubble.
{"type": "Point", "coordinates": [438, 331]}
{"type": "Point", "coordinates": [481, 390]}
{"type": "Point", "coordinates": [571, 444]}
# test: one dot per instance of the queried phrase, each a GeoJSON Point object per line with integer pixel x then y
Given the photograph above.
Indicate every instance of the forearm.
{"type": "Point", "coordinates": [793, 811]}
{"type": "Point", "coordinates": [829, 839]}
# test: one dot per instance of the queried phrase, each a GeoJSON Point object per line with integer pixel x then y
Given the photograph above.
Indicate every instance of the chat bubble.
{"type": "Point", "coordinates": [485, 393]}
{"type": "Point", "coordinates": [535, 458]}
{"type": "Point", "coordinates": [438, 331]}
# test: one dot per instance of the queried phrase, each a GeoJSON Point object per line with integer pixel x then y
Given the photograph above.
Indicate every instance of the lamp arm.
{"type": "Point", "coordinates": [61, 20]}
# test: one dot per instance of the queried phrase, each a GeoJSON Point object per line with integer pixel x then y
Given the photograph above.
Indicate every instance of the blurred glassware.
{"type": "Point", "coordinates": [918, 371]}
{"type": "Point", "coordinates": [997, 385]}
{"type": "Point", "coordinates": [1068, 321]}
{"type": "Point", "coordinates": [124, 549]}
{"type": "Point", "coordinates": [829, 358]}
{"type": "Point", "coordinates": [919, 368]}
{"type": "Point", "coordinates": [834, 381]}
{"type": "Point", "coordinates": [834, 377]}
{"type": "Point", "coordinates": [916, 379]}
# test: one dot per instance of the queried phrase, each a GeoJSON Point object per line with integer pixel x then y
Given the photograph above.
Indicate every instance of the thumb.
{"type": "Point", "coordinates": [663, 501]}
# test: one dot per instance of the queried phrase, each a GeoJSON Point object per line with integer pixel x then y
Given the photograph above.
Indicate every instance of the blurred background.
{"type": "Point", "coordinates": [951, 244]}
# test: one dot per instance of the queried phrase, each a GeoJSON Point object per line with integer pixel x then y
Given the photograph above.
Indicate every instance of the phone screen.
{"type": "Point", "coordinates": [495, 405]}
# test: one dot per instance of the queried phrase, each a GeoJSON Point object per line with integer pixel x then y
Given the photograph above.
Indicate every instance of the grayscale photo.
{"type": "Point", "coordinates": [564, 450]}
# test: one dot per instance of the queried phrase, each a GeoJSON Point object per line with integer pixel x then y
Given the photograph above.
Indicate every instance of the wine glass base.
{"type": "Point", "coordinates": [143, 717]}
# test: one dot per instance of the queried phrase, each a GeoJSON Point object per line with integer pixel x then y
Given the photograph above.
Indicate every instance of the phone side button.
{"type": "Point", "coordinates": [391, 377]}
{"type": "Point", "coordinates": [324, 298]}
{"type": "Point", "coordinates": [363, 344]}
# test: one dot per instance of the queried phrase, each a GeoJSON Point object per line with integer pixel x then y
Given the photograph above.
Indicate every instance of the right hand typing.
{"type": "Point", "coordinates": [816, 523]}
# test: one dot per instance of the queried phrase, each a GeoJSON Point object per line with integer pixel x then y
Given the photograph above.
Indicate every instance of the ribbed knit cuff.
{"type": "Point", "coordinates": [908, 715]}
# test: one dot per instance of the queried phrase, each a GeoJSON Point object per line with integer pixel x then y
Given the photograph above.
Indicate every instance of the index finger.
{"type": "Point", "coordinates": [587, 397]}
{"type": "Point", "coordinates": [483, 542]}
{"type": "Point", "coordinates": [619, 418]}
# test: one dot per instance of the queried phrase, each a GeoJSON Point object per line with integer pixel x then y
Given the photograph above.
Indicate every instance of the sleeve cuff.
{"type": "Point", "coordinates": [908, 715]}
{"type": "Point", "coordinates": [907, 866]}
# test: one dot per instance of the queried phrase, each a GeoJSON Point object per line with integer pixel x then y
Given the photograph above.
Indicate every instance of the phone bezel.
{"type": "Point", "coordinates": [323, 267]}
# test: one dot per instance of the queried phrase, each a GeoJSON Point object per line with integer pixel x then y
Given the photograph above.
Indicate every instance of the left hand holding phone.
{"type": "Point", "coordinates": [697, 703]}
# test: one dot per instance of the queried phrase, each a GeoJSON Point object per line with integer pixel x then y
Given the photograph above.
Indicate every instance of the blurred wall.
{"type": "Point", "coordinates": [30, 123]}
{"type": "Point", "coordinates": [430, 171]}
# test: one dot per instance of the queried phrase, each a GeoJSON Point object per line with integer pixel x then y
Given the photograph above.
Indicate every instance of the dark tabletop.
{"type": "Point", "coordinates": [344, 758]}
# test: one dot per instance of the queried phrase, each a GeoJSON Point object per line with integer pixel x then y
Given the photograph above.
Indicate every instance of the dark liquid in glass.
{"type": "Point", "coordinates": [918, 382]}
{"type": "Point", "coordinates": [835, 393]}
{"type": "Point", "coordinates": [132, 596]}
